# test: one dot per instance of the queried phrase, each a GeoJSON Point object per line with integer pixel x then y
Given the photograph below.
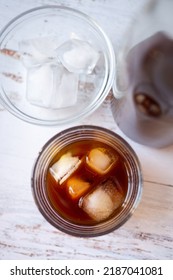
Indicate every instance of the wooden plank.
{"type": "Point", "coordinates": [24, 232]}
{"type": "Point", "coordinates": [146, 235]}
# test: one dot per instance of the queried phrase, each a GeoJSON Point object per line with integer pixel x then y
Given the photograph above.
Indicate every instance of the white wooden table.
{"type": "Point", "coordinates": [24, 233]}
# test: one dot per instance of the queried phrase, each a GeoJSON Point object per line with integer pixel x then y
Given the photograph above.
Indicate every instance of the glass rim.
{"type": "Point", "coordinates": [132, 198]}
{"type": "Point", "coordinates": [109, 65]}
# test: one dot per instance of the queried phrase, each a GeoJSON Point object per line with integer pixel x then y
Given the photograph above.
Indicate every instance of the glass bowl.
{"type": "Point", "coordinates": [49, 28]}
{"type": "Point", "coordinates": [76, 135]}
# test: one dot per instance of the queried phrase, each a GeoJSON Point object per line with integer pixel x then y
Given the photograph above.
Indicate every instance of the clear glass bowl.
{"type": "Point", "coordinates": [73, 135]}
{"type": "Point", "coordinates": [63, 24]}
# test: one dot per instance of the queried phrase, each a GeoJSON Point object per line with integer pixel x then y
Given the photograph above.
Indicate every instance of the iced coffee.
{"type": "Point", "coordinates": [87, 181]}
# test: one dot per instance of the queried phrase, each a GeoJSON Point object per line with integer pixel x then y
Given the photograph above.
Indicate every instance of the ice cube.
{"type": "Point", "coordinates": [65, 88]}
{"type": "Point", "coordinates": [77, 187]}
{"type": "Point", "coordinates": [78, 56]}
{"type": "Point", "coordinates": [51, 86]}
{"type": "Point", "coordinates": [102, 201]}
{"type": "Point", "coordinates": [64, 167]}
{"type": "Point", "coordinates": [40, 85]}
{"type": "Point", "coordinates": [38, 51]}
{"type": "Point", "coordinates": [101, 160]}
{"type": "Point", "coordinates": [99, 70]}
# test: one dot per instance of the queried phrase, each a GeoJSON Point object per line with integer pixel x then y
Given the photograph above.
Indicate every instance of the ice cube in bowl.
{"type": "Point", "coordinates": [78, 56]}
{"type": "Point", "coordinates": [38, 51]}
{"type": "Point", "coordinates": [51, 86]}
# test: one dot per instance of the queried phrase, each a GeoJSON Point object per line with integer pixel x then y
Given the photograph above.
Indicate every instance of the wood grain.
{"type": "Point", "coordinates": [24, 233]}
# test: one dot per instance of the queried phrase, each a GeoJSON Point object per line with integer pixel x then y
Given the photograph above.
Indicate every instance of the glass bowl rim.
{"type": "Point", "coordinates": [87, 230]}
{"type": "Point", "coordinates": [101, 95]}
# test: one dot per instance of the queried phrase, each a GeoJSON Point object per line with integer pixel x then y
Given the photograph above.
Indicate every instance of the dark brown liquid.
{"type": "Point", "coordinates": [58, 195]}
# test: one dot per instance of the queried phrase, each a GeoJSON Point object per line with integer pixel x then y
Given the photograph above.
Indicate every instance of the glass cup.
{"type": "Point", "coordinates": [54, 147]}
{"type": "Point", "coordinates": [143, 90]}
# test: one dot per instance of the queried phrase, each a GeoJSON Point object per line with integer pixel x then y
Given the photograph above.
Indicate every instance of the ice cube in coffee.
{"type": "Point", "coordinates": [101, 202]}
{"type": "Point", "coordinates": [64, 167]}
{"type": "Point", "coordinates": [87, 182]}
{"type": "Point", "coordinates": [101, 160]}
{"type": "Point", "coordinates": [76, 187]}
